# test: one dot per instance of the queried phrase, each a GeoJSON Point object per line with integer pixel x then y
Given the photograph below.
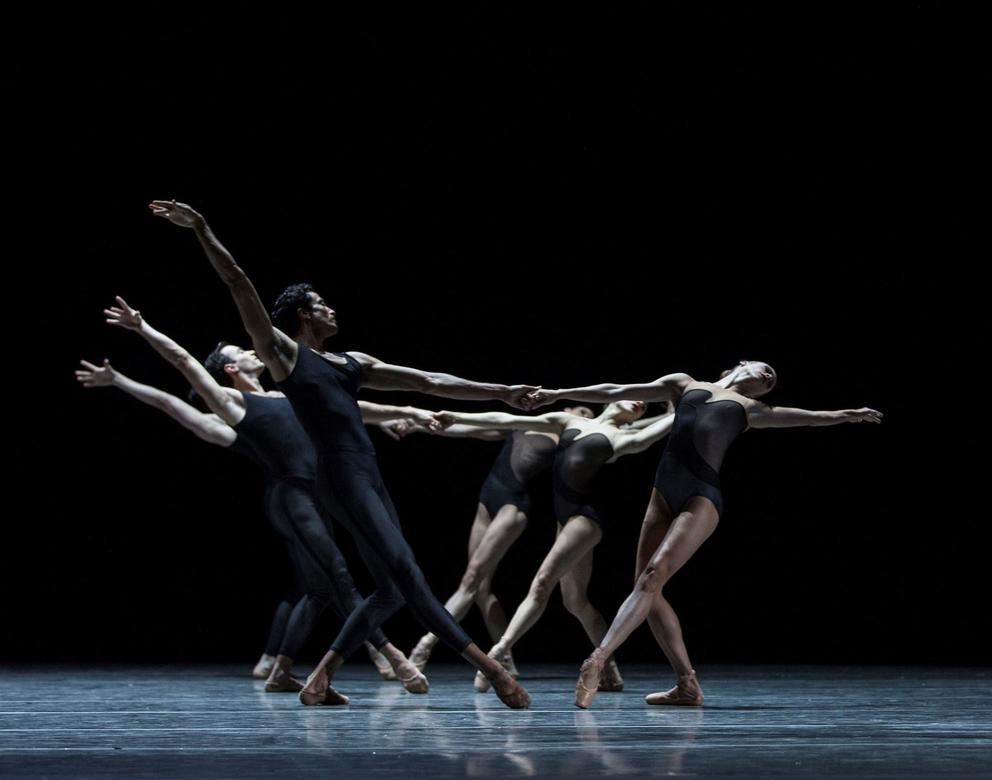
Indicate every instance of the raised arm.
{"type": "Point", "coordinates": [225, 402]}
{"type": "Point", "coordinates": [552, 422]}
{"type": "Point", "coordinates": [632, 440]}
{"type": "Point", "coordinates": [762, 416]}
{"type": "Point", "coordinates": [208, 427]}
{"type": "Point", "coordinates": [385, 376]}
{"type": "Point", "coordinates": [667, 388]}
{"type": "Point", "coordinates": [277, 350]}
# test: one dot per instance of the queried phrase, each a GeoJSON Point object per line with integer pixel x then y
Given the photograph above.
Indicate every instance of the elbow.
{"type": "Point", "coordinates": [236, 279]}
{"type": "Point", "coordinates": [184, 361]}
{"type": "Point", "coordinates": [432, 384]}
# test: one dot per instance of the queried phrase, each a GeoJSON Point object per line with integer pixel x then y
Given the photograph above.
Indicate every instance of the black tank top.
{"type": "Point", "coordinates": [323, 396]}
{"type": "Point", "coordinates": [278, 441]}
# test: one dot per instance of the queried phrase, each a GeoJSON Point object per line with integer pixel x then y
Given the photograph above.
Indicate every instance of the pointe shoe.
{"type": "Point", "coordinates": [382, 664]}
{"type": "Point", "coordinates": [591, 671]}
{"type": "Point", "coordinates": [510, 692]}
{"type": "Point", "coordinates": [329, 698]}
{"type": "Point", "coordinates": [483, 683]}
{"type": "Point", "coordinates": [412, 678]}
{"type": "Point", "coordinates": [264, 666]}
{"type": "Point", "coordinates": [686, 693]}
{"type": "Point", "coordinates": [611, 681]}
{"type": "Point", "coordinates": [284, 683]}
{"type": "Point", "coordinates": [510, 665]}
{"type": "Point", "coordinates": [421, 654]}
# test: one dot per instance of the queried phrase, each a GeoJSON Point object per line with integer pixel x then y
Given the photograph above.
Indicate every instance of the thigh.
{"type": "Point", "coordinates": [657, 521]}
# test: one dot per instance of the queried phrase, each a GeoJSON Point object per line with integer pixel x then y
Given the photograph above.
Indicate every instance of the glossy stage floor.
{"type": "Point", "coordinates": [215, 722]}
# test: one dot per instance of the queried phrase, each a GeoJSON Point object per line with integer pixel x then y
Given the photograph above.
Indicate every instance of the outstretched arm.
{"type": "Point", "coordinates": [552, 422]}
{"type": "Point", "coordinates": [277, 350]}
{"type": "Point", "coordinates": [400, 429]}
{"type": "Point", "coordinates": [631, 441]}
{"type": "Point", "coordinates": [379, 413]}
{"type": "Point", "coordinates": [644, 422]}
{"type": "Point", "coordinates": [208, 427]}
{"type": "Point", "coordinates": [762, 416]}
{"type": "Point", "coordinates": [667, 388]}
{"type": "Point", "coordinates": [225, 402]}
{"type": "Point", "coordinates": [385, 376]}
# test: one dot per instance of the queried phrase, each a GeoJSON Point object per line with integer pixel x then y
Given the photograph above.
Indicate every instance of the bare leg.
{"type": "Point", "coordinates": [684, 536]}
{"type": "Point", "coordinates": [492, 539]}
{"type": "Point", "coordinates": [574, 541]}
{"type": "Point", "coordinates": [657, 521]}
{"type": "Point", "coordinates": [575, 595]}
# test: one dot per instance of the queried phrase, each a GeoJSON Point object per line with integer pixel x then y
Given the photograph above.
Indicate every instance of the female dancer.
{"type": "Point", "coordinates": [686, 502]}
{"type": "Point", "coordinates": [500, 517]}
{"type": "Point", "coordinates": [584, 447]}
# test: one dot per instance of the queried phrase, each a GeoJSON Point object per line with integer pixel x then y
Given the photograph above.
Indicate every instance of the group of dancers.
{"type": "Point", "coordinates": [309, 439]}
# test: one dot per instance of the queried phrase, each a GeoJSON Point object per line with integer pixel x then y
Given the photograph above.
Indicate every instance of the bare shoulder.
{"type": "Point", "coordinates": [363, 358]}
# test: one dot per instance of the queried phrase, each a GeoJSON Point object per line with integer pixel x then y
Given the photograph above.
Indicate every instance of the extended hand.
{"type": "Point", "coordinates": [865, 415]}
{"type": "Point", "coordinates": [95, 376]}
{"type": "Point", "coordinates": [518, 395]}
{"type": "Point", "coordinates": [123, 315]}
{"type": "Point", "coordinates": [177, 213]}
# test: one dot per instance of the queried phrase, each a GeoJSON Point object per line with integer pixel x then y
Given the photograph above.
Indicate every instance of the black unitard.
{"type": "Point", "coordinates": [350, 487]}
{"type": "Point", "coordinates": [701, 435]}
{"type": "Point", "coordinates": [578, 459]}
{"type": "Point", "coordinates": [288, 459]}
{"type": "Point", "coordinates": [284, 609]}
{"type": "Point", "coordinates": [523, 458]}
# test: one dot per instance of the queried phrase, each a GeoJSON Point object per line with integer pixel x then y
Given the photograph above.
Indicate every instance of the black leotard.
{"type": "Point", "coordinates": [578, 459]}
{"type": "Point", "coordinates": [349, 485]}
{"type": "Point", "coordinates": [701, 435]}
{"type": "Point", "coordinates": [523, 458]}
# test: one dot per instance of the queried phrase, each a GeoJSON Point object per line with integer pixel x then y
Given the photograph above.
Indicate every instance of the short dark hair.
{"type": "Point", "coordinates": [215, 363]}
{"type": "Point", "coordinates": [284, 314]}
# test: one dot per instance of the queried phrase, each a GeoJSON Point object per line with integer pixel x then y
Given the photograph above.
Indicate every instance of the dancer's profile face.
{"type": "Point", "coordinates": [323, 319]}
{"type": "Point", "coordinates": [628, 411]}
{"type": "Point", "coordinates": [632, 410]}
{"type": "Point", "coordinates": [754, 377]}
{"type": "Point", "coordinates": [246, 360]}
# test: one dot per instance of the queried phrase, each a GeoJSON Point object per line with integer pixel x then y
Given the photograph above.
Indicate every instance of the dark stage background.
{"type": "Point", "coordinates": [573, 196]}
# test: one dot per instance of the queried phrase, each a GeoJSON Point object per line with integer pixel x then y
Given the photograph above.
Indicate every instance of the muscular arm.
{"type": "Point", "coordinates": [277, 350]}
{"type": "Point", "coordinates": [208, 427]}
{"type": "Point", "coordinates": [377, 413]}
{"type": "Point", "coordinates": [763, 416]}
{"type": "Point", "coordinates": [552, 422]}
{"type": "Point", "coordinates": [667, 388]}
{"type": "Point", "coordinates": [385, 376]}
